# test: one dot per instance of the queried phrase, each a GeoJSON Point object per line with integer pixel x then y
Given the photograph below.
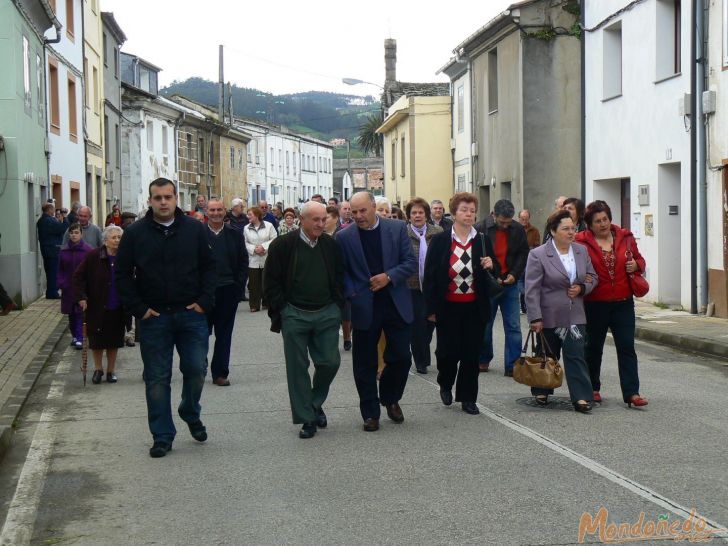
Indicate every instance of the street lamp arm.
{"type": "Point", "coordinates": [355, 81]}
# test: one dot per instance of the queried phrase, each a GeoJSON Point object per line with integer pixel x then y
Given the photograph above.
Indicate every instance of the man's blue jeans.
{"type": "Point", "coordinates": [509, 305]}
{"type": "Point", "coordinates": [158, 336]}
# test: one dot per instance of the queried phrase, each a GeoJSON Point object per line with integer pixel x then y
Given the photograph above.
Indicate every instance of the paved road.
{"type": "Point", "coordinates": [80, 473]}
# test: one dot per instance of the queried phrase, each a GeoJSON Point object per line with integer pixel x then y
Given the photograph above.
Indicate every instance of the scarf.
{"type": "Point", "coordinates": [421, 232]}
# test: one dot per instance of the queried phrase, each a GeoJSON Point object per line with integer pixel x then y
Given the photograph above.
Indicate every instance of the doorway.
{"type": "Point", "coordinates": [625, 200]}
{"type": "Point", "coordinates": [668, 237]}
{"type": "Point", "coordinates": [484, 198]}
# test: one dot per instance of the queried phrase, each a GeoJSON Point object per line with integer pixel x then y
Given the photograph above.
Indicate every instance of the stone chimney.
{"type": "Point", "coordinates": [390, 61]}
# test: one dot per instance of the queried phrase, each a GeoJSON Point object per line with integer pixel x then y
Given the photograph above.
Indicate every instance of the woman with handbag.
{"type": "Point", "coordinates": [559, 274]}
{"type": "Point", "coordinates": [456, 290]}
{"type": "Point", "coordinates": [619, 264]}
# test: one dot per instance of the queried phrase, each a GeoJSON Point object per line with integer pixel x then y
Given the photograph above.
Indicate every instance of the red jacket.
{"type": "Point", "coordinates": [618, 288]}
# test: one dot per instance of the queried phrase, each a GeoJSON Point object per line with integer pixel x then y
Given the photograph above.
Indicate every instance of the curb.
{"type": "Point", "coordinates": [682, 342]}
{"type": "Point", "coordinates": [15, 403]}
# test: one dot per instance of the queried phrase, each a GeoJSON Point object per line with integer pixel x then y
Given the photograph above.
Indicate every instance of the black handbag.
{"type": "Point", "coordinates": [495, 288]}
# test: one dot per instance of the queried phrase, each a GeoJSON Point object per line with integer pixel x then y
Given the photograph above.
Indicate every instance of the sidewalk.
{"type": "Point", "coordinates": [27, 339]}
{"type": "Point", "coordinates": [681, 330]}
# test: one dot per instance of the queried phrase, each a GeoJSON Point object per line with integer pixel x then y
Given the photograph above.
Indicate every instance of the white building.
{"type": "Point", "coordinates": [286, 167]}
{"type": "Point", "coordinates": [65, 96]}
{"type": "Point", "coordinates": [637, 140]}
{"type": "Point", "coordinates": [462, 142]}
{"type": "Point", "coordinates": [148, 133]}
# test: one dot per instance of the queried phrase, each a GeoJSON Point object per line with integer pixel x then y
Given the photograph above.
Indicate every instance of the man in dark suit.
{"type": "Point", "coordinates": [231, 257]}
{"type": "Point", "coordinates": [378, 260]}
{"type": "Point", "coordinates": [50, 236]}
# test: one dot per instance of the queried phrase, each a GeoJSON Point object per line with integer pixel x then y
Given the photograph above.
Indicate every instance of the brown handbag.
{"type": "Point", "coordinates": [541, 371]}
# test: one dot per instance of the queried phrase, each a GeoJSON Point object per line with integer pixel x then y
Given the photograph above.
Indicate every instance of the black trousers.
{"type": "Point", "coordinates": [255, 285]}
{"type": "Point", "coordinates": [617, 316]}
{"type": "Point", "coordinates": [574, 364]}
{"type": "Point", "coordinates": [459, 338]}
{"type": "Point", "coordinates": [222, 320]}
{"type": "Point", "coordinates": [422, 330]}
{"type": "Point", "coordinates": [4, 298]}
{"type": "Point", "coordinates": [50, 265]}
{"type": "Point", "coordinates": [397, 357]}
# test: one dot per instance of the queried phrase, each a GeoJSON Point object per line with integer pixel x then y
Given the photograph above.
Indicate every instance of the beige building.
{"type": "Point", "coordinates": [417, 155]}
{"type": "Point", "coordinates": [93, 75]}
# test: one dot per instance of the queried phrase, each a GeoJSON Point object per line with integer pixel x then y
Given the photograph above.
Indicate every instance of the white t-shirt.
{"type": "Point", "coordinates": [568, 261]}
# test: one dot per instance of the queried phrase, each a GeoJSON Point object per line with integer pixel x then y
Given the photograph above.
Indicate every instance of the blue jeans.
{"type": "Point", "coordinates": [509, 305]}
{"type": "Point", "coordinates": [158, 336]}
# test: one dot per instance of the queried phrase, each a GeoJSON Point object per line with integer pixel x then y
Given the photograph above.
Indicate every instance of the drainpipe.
{"type": "Point", "coordinates": [46, 42]}
{"type": "Point", "coordinates": [583, 101]}
{"type": "Point", "coordinates": [178, 122]}
{"type": "Point", "coordinates": [700, 27]}
{"type": "Point", "coordinates": [696, 121]}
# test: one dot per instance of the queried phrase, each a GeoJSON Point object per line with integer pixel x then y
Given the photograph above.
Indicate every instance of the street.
{"type": "Point", "coordinates": [79, 471]}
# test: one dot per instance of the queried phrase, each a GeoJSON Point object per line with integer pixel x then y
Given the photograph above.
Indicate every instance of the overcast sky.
{"type": "Point", "coordinates": [286, 46]}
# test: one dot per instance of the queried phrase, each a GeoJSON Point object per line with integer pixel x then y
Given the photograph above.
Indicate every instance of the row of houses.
{"type": "Point", "coordinates": [620, 100]}
{"type": "Point", "coordinates": [82, 121]}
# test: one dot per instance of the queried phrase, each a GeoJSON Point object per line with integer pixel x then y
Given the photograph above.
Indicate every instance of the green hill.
{"type": "Point", "coordinates": [316, 113]}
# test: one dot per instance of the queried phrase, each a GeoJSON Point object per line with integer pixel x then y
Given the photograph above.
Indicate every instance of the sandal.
{"type": "Point", "coordinates": [582, 407]}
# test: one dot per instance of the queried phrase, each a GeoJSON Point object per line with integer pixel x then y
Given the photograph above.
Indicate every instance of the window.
{"type": "Point", "coordinates": [96, 90]}
{"type": "Point", "coordinates": [329, 165]}
{"type": "Point", "coordinates": [294, 165]}
{"type": "Point", "coordinates": [26, 76]}
{"type": "Point", "coordinates": [54, 102]}
{"type": "Point", "coordinates": [211, 157]}
{"type": "Point", "coordinates": [87, 83]}
{"type": "Point", "coordinates": [150, 135]}
{"type": "Point", "coordinates": [493, 80]}
{"type": "Point", "coordinates": [70, 24]}
{"type": "Point", "coordinates": [107, 143]}
{"type": "Point", "coordinates": [612, 61]}
{"type": "Point", "coordinates": [668, 26]}
{"type": "Point", "coordinates": [40, 99]}
{"type": "Point", "coordinates": [144, 79]}
{"type": "Point", "coordinates": [402, 153]}
{"type": "Point", "coordinates": [118, 146]}
{"type": "Point", "coordinates": [280, 161]}
{"type": "Point", "coordinates": [461, 108]}
{"type": "Point", "coordinates": [165, 146]}
{"type": "Point", "coordinates": [105, 46]}
{"type": "Point", "coordinates": [240, 159]}
{"type": "Point", "coordinates": [72, 111]}
{"type": "Point", "coordinates": [200, 155]}
{"type": "Point", "coordinates": [288, 163]}
{"type": "Point", "coordinates": [250, 153]}
{"type": "Point", "coordinates": [232, 157]}
{"type": "Point", "coordinates": [116, 63]}
{"type": "Point", "coordinates": [393, 170]}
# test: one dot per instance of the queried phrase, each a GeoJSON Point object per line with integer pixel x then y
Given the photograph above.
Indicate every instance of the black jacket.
{"type": "Point", "coordinates": [50, 235]}
{"type": "Point", "coordinates": [279, 268]}
{"type": "Point", "coordinates": [517, 246]}
{"type": "Point", "coordinates": [445, 223]}
{"type": "Point", "coordinates": [437, 278]}
{"type": "Point", "coordinates": [236, 251]}
{"type": "Point", "coordinates": [165, 268]}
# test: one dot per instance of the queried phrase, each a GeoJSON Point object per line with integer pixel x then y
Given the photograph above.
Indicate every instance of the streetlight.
{"type": "Point", "coordinates": [355, 81]}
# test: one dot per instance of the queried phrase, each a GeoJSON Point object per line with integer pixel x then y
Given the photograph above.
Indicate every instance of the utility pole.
{"type": "Point", "coordinates": [221, 90]}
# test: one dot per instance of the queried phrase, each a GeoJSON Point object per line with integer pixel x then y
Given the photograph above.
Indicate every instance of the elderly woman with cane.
{"type": "Point", "coordinates": [95, 290]}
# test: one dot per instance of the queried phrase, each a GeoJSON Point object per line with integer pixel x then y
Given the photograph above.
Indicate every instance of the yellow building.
{"type": "Point", "coordinates": [417, 154]}
{"type": "Point", "coordinates": [94, 109]}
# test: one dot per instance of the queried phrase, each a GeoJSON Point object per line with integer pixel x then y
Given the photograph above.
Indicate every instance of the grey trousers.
{"type": "Point", "coordinates": [574, 364]}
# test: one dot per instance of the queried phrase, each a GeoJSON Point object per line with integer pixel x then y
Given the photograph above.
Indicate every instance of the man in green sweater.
{"type": "Point", "coordinates": [302, 282]}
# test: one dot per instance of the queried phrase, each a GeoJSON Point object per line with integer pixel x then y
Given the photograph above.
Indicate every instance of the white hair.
{"type": "Point", "coordinates": [307, 206]}
{"type": "Point", "coordinates": [108, 230]}
{"type": "Point", "coordinates": [379, 200]}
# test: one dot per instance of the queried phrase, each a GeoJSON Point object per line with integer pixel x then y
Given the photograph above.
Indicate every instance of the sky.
{"type": "Point", "coordinates": [285, 46]}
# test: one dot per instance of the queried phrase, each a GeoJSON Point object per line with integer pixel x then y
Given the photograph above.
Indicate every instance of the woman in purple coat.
{"type": "Point", "coordinates": [71, 256]}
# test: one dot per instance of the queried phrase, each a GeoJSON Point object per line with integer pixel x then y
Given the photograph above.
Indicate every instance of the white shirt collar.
{"type": "Point", "coordinates": [216, 231]}
{"type": "Point", "coordinates": [306, 239]}
{"type": "Point", "coordinates": [471, 235]}
{"type": "Point", "coordinates": [375, 226]}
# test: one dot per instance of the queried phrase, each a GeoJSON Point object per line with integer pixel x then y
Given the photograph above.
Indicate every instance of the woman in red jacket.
{"type": "Point", "coordinates": [610, 306]}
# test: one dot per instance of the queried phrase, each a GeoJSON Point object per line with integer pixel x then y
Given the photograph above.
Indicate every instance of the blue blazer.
{"type": "Point", "coordinates": [399, 263]}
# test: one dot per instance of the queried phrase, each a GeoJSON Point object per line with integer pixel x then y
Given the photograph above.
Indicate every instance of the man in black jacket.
{"type": "Point", "coordinates": [231, 258]}
{"type": "Point", "coordinates": [511, 252]}
{"type": "Point", "coordinates": [50, 236]}
{"type": "Point", "coordinates": [166, 276]}
{"type": "Point", "coordinates": [303, 283]}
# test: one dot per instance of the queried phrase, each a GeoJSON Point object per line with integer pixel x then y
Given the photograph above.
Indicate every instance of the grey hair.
{"type": "Point", "coordinates": [504, 208]}
{"type": "Point", "coordinates": [85, 207]}
{"type": "Point", "coordinates": [436, 202]}
{"type": "Point", "coordinates": [108, 230]}
{"type": "Point", "coordinates": [383, 200]}
{"type": "Point", "coordinates": [367, 193]}
{"type": "Point", "coordinates": [307, 205]}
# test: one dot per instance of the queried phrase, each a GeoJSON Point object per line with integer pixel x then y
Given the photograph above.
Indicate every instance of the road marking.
{"type": "Point", "coordinates": [18, 528]}
{"type": "Point", "coordinates": [590, 464]}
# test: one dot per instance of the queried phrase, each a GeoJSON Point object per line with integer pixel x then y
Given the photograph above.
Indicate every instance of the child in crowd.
{"type": "Point", "coordinates": [72, 254]}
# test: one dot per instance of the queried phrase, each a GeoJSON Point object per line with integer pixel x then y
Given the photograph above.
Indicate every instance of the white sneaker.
{"type": "Point", "coordinates": [78, 344]}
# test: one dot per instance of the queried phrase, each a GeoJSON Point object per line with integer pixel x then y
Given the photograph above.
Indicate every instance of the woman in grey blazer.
{"type": "Point", "coordinates": [559, 274]}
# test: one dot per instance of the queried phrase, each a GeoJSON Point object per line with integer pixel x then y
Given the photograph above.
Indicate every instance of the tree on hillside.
{"type": "Point", "coordinates": [368, 139]}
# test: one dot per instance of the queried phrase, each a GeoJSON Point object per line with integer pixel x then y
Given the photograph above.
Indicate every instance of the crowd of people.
{"type": "Point", "coordinates": [389, 277]}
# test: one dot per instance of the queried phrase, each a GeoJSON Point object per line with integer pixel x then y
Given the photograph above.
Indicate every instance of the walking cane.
{"type": "Point", "coordinates": [84, 352]}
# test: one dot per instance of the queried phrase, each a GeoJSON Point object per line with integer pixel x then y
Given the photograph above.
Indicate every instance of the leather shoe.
{"type": "Point", "coordinates": [159, 449]}
{"type": "Point", "coordinates": [446, 397]}
{"type": "Point", "coordinates": [508, 373]}
{"type": "Point", "coordinates": [422, 370]}
{"type": "Point", "coordinates": [471, 408]}
{"type": "Point", "coordinates": [198, 431]}
{"type": "Point", "coordinates": [308, 430]}
{"type": "Point", "coordinates": [394, 412]}
{"type": "Point", "coordinates": [111, 377]}
{"type": "Point", "coordinates": [7, 308]}
{"type": "Point", "coordinates": [371, 424]}
{"type": "Point", "coordinates": [484, 367]}
{"type": "Point", "coordinates": [347, 345]}
{"type": "Point", "coordinates": [97, 376]}
{"type": "Point", "coordinates": [321, 421]}
{"type": "Point", "coordinates": [221, 381]}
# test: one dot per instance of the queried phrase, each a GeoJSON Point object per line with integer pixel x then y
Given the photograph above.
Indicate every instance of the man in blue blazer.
{"type": "Point", "coordinates": [378, 259]}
